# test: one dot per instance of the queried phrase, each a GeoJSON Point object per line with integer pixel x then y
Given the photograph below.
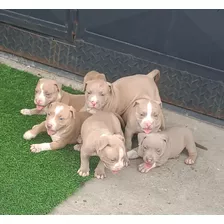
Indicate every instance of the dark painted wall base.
{"type": "Point", "coordinates": [176, 87]}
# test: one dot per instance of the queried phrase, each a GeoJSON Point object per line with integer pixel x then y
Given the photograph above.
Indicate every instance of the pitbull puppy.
{"type": "Point", "coordinates": [118, 96]}
{"type": "Point", "coordinates": [143, 116]}
{"type": "Point", "coordinates": [93, 75]}
{"type": "Point", "coordinates": [62, 123]}
{"type": "Point", "coordinates": [157, 148]}
{"type": "Point", "coordinates": [48, 91]}
{"type": "Point", "coordinates": [102, 136]}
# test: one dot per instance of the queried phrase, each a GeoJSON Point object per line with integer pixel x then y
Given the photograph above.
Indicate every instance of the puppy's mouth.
{"type": "Point", "coordinates": [51, 132]}
{"type": "Point", "coordinates": [39, 107]}
{"type": "Point", "coordinates": [150, 165]}
{"type": "Point", "coordinates": [147, 130]}
{"type": "Point", "coordinates": [115, 171]}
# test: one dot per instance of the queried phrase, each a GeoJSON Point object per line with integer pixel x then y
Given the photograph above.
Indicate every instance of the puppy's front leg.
{"type": "Point", "coordinates": [133, 154]}
{"type": "Point", "coordinates": [32, 111]}
{"type": "Point", "coordinates": [128, 138]}
{"type": "Point", "coordinates": [47, 146]}
{"type": "Point", "coordinates": [36, 129]}
{"type": "Point", "coordinates": [192, 151]}
{"type": "Point", "coordinates": [84, 168]}
{"type": "Point", "coordinates": [100, 171]}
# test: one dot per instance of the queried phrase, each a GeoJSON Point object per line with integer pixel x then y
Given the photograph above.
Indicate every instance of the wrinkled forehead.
{"type": "Point", "coordinates": [147, 106]}
{"type": "Point", "coordinates": [59, 109]}
{"type": "Point", "coordinates": [111, 152]}
{"type": "Point", "coordinates": [153, 141]}
{"type": "Point", "coordinates": [97, 86]}
{"type": "Point", "coordinates": [46, 85]}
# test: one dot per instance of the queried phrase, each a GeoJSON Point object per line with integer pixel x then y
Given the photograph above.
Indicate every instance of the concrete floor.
{"type": "Point", "coordinates": [174, 188]}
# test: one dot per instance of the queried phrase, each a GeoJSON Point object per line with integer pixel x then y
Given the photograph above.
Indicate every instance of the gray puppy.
{"type": "Point", "coordinates": [157, 148]}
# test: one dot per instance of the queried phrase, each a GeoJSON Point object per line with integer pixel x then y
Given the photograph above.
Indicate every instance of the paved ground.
{"type": "Point", "coordinates": [174, 188]}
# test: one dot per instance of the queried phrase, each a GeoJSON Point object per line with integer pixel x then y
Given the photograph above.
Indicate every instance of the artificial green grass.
{"type": "Point", "coordinates": [31, 183]}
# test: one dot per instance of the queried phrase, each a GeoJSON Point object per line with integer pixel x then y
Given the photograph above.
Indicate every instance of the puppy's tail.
{"type": "Point", "coordinates": [121, 120]}
{"type": "Point", "coordinates": [154, 74]}
{"type": "Point", "coordinates": [200, 146]}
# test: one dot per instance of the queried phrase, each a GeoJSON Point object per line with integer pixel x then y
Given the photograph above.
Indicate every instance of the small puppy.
{"type": "Point", "coordinates": [93, 75]}
{"type": "Point", "coordinates": [143, 116]}
{"type": "Point", "coordinates": [48, 91]}
{"type": "Point", "coordinates": [116, 97]}
{"type": "Point", "coordinates": [102, 135]}
{"type": "Point", "coordinates": [157, 148]}
{"type": "Point", "coordinates": [62, 123]}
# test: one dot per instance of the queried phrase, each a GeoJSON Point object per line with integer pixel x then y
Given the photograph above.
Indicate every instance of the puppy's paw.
{"type": "Point", "coordinates": [189, 161]}
{"type": "Point", "coordinates": [35, 148]}
{"type": "Point", "coordinates": [79, 139]}
{"type": "Point", "coordinates": [126, 162]}
{"type": "Point", "coordinates": [144, 167]}
{"type": "Point", "coordinates": [29, 135]}
{"type": "Point", "coordinates": [132, 154]}
{"type": "Point", "coordinates": [77, 147]}
{"type": "Point", "coordinates": [91, 110]}
{"type": "Point", "coordinates": [99, 174]}
{"type": "Point", "coordinates": [25, 112]}
{"type": "Point", "coordinates": [83, 172]}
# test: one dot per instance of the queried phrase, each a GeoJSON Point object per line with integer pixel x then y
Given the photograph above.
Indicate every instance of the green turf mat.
{"type": "Point", "coordinates": [31, 183]}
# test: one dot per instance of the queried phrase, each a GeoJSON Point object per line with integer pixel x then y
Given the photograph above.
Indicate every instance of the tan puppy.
{"type": "Point", "coordinates": [143, 116]}
{"type": "Point", "coordinates": [93, 75]}
{"type": "Point", "coordinates": [62, 123]}
{"type": "Point", "coordinates": [157, 148]}
{"type": "Point", "coordinates": [48, 91]}
{"type": "Point", "coordinates": [117, 97]}
{"type": "Point", "coordinates": [102, 136]}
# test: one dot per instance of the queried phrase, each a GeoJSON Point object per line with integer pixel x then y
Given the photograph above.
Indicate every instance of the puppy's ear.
{"type": "Point", "coordinates": [101, 76]}
{"type": "Point", "coordinates": [50, 105]}
{"type": "Point", "coordinates": [110, 86]}
{"type": "Point", "coordinates": [137, 102]}
{"type": "Point", "coordinates": [164, 137]}
{"type": "Point", "coordinates": [72, 111]}
{"type": "Point", "coordinates": [141, 137]}
{"type": "Point", "coordinates": [101, 143]}
{"type": "Point", "coordinates": [58, 86]}
{"type": "Point", "coordinates": [162, 127]}
{"type": "Point", "coordinates": [84, 85]}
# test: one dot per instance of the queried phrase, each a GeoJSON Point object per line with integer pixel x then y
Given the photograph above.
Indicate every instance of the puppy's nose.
{"type": "Point", "coordinates": [39, 102]}
{"type": "Point", "coordinates": [49, 125]}
{"type": "Point", "coordinates": [149, 160]}
{"type": "Point", "coordinates": [148, 124]}
{"type": "Point", "coordinates": [93, 103]}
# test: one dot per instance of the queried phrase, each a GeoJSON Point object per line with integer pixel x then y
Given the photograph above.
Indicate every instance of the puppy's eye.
{"type": "Point", "coordinates": [48, 113]}
{"type": "Point", "coordinates": [89, 92]}
{"type": "Point", "coordinates": [102, 94]}
{"type": "Point", "coordinates": [144, 148]}
{"type": "Point", "coordinates": [61, 118]}
{"type": "Point", "coordinates": [36, 91]}
{"type": "Point", "coordinates": [47, 94]}
{"type": "Point", "coordinates": [113, 160]}
{"type": "Point", "coordinates": [158, 151]}
{"type": "Point", "coordinates": [142, 114]}
{"type": "Point", "coordinates": [155, 115]}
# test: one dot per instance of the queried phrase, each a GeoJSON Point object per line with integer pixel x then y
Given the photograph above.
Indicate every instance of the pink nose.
{"type": "Point", "coordinates": [49, 125]}
{"type": "Point", "coordinates": [39, 102]}
{"type": "Point", "coordinates": [148, 124]}
{"type": "Point", "coordinates": [149, 160]}
{"type": "Point", "coordinates": [93, 103]}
